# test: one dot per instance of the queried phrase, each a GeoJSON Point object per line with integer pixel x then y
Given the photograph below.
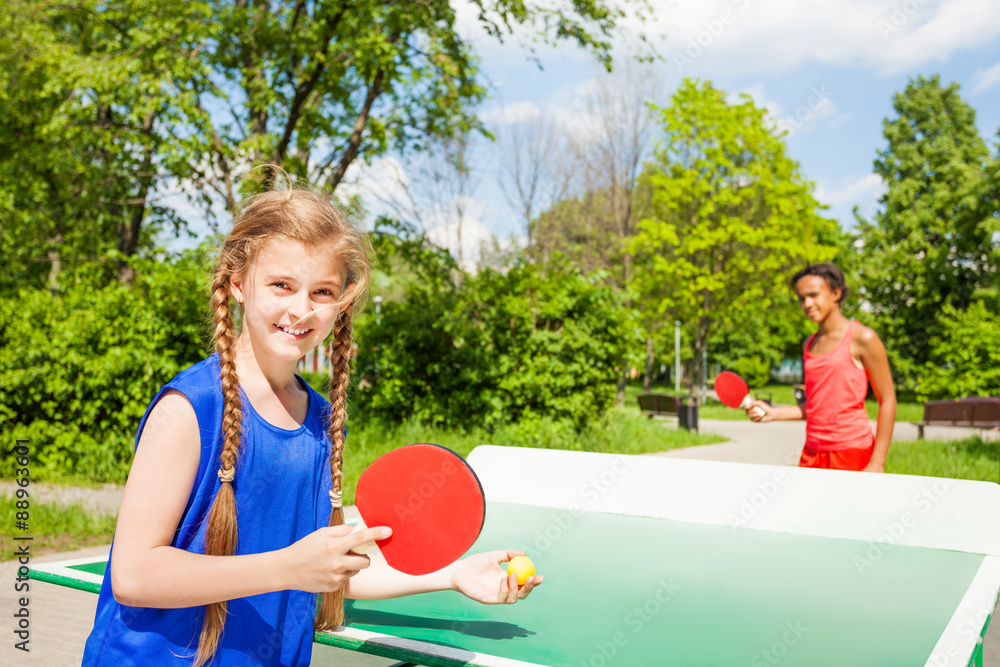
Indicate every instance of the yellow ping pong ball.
{"type": "Point", "coordinates": [522, 567]}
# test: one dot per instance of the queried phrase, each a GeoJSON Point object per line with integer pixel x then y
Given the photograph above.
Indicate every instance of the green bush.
{"type": "Point", "coordinates": [498, 348]}
{"type": "Point", "coordinates": [965, 356]}
{"type": "Point", "coordinates": [79, 367]}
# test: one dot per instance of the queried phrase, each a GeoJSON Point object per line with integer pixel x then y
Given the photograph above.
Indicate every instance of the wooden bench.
{"type": "Point", "coordinates": [973, 412]}
{"type": "Point", "coordinates": [658, 405]}
{"type": "Point", "coordinates": [661, 405]}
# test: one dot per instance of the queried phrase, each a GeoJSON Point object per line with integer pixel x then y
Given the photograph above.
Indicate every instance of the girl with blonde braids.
{"type": "Point", "coordinates": [230, 546]}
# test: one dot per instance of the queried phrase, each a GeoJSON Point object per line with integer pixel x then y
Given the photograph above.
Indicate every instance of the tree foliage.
{"type": "Point", "coordinates": [932, 245]}
{"type": "Point", "coordinates": [964, 354]}
{"type": "Point", "coordinates": [80, 367]}
{"type": "Point", "coordinates": [90, 92]}
{"type": "Point", "coordinates": [731, 216]}
{"type": "Point", "coordinates": [109, 105]}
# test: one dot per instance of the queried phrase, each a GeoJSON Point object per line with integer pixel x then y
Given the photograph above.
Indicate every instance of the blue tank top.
{"type": "Point", "coordinates": [282, 487]}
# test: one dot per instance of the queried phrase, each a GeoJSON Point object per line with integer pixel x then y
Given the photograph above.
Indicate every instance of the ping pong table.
{"type": "Point", "coordinates": [662, 561]}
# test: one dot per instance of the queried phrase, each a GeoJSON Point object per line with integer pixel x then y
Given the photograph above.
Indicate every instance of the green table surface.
{"type": "Point", "coordinates": [627, 590]}
{"type": "Point", "coordinates": [630, 590]}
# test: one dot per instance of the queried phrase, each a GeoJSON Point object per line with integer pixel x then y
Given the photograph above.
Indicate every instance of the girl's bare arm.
{"type": "Point", "coordinates": [871, 351]}
{"type": "Point", "coordinates": [770, 413]}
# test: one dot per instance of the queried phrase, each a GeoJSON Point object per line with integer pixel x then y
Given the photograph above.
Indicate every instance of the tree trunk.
{"type": "Point", "coordinates": [354, 142]}
{"type": "Point", "coordinates": [622, 381]}
{"type": "Point", "coordinates": [56, 269]}
{"type": "Point", "coordinates": [700, 345]}
{"type": "Point", "coordinates": [647, 380]}
{"type": "Point", "coordinates": [129, 241]}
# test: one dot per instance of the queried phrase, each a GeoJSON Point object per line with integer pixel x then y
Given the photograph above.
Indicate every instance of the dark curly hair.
{"type": "Point", "coordinates": [833, 276]}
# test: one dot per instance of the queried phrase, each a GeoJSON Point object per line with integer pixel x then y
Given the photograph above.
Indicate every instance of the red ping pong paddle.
{"type": "Point", "coordinates": [431, 499]}
{"type": "Point", "coordinates": [732, 390]}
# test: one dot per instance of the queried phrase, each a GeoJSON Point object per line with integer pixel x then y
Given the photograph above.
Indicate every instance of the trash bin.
{"type": "Point", "coordinates": [687, 414]}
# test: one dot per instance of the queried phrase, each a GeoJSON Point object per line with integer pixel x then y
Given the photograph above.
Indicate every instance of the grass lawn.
{"type": "Point", "coordinates": [907, 408]}
{"type": "Point", "coordinates": [54, 527]}
{"type": "Point", "coordinates": [971, 458]}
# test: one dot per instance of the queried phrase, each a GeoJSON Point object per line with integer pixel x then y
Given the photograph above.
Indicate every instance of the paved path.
{"type": "Point", "coordinates": [780, 443]}
{"type": "Point", "coordinates": [61, 618]}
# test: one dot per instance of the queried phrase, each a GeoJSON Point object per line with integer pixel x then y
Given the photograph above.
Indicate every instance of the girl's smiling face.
{"type": "Point", "coordinates": [816, 299]}
{"type": "Point", "coordinates": [288, 281]}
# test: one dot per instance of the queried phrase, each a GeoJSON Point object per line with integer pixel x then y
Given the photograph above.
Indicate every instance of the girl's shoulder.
{"type": "Point", "coordinates": [316, 398]}
{"type": "Point", "coordinates": [199, 381]}
{"type": "Point", "coordinates": [865, 340]}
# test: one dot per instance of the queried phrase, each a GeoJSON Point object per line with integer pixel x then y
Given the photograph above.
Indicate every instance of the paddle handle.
{"type": "Point", "coordinates": [365, 548]}
{"type": "Point", "coordinates": [757, 410]}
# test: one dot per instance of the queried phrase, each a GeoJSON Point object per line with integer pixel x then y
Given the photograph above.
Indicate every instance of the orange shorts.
{"type": "Point", "coordinates": [845, 459]}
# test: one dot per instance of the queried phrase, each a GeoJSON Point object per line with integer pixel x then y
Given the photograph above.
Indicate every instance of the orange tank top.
{"type": "Point", "coordinates": [836, 418]}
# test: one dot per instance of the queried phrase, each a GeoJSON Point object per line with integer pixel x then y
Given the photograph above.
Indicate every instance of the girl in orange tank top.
{"type": "Point", "coordinates": [840, 360]}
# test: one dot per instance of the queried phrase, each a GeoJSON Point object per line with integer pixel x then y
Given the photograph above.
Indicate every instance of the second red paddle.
{"type": "Point", "coordinates": [733, 391]}
{"type": "Point", "coordinates": [431, 499]}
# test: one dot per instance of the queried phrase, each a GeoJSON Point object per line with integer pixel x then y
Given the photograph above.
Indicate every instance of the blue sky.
{"type": "Point", "coordinates": [849, 55]}
{"type": "Point", "coordinates": [858, 53]}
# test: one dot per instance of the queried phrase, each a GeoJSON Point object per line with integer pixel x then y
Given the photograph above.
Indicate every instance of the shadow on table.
{"type": "Point", "coordinates": [483, 629]}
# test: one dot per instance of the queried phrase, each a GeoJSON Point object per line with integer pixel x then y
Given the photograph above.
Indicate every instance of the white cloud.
{"type": "Point", "coordinates": [760, 98]}
{"type": "Point", "coordinates": [866, 189]}
{"type": "Point", "coordinates": [517, 112]}
{"type": "Point", "coordinates": [386, 186]}
{"type": "Point", "coordinates": [739, 37]}
{"type": "Point", "coordinates": [986, 78]}
{"type": "Point", "coordinates": [758, 36]}
{"type": "Point", "coordinates": [817, 105]}
{"type": "Point", "coordinates": [444, 230]}
{"type": "Point", "coordinates": [383, 186]}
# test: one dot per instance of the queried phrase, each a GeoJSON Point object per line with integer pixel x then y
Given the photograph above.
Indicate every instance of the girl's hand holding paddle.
{"type": "Point", "coordinates": [759, 411]}
{"type": "Point", "coordinates": [482, 578]}
{"type": "Point", "coordinates": [322, 562]}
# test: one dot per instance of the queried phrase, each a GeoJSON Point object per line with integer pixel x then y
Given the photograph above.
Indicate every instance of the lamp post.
{"type": "Point", "coordinates": [677, 356]}
{"type": "Point", "coordinates": [378, 309]}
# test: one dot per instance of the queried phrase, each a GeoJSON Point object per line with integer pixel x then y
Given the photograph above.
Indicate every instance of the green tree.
{"type": "Point", "coordinates": [595, 228]}
{"type": "Point", "coordinates": [932, 244]}
{"type": "Point", "coordinates": [758, 339]}
{"type": "Point", "coordinates": [731, 216]}
{"type": "Point", "coordinates": [964, 354]}
{"type": "Point", "coordinates": [122, 99]}
{"type": "Point", "coordinates": [90, 90]}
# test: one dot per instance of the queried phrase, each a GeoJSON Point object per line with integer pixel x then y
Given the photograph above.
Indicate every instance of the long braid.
{"type": "Point", "coordinates": [222, 533]}
{"type": "Point", "coordinates": [331, 609]}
